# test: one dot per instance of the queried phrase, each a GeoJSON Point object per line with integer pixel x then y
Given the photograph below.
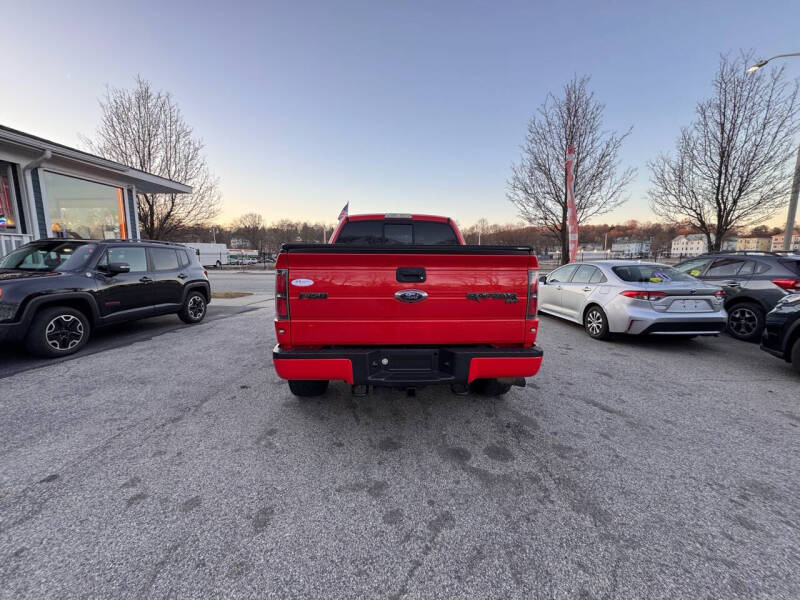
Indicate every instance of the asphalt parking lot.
{"type": "Point", "coordinates": [177, 464]}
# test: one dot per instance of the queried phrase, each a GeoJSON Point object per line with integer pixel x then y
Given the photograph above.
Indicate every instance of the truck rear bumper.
{"type": "Point", "coordinates": [404, 367]}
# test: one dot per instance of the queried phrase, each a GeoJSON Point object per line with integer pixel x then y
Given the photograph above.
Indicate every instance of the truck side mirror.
{"type": "Point", "coordinates": [543, 279]}
{"type": "Point", "coordinates": [116, 268]}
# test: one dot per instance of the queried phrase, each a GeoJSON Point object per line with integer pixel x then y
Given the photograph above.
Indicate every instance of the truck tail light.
{"type": "Point", "coordinates": [790, 285]}
{"type": "Point", "coordinates": [643, 295]}
{"type": "Point", "coordinates": [533, 294]}
{"type": "Point", "coordinates": [282, 294]}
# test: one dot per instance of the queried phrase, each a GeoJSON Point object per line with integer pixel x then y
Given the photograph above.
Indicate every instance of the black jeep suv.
{"type": "Point", "coordinates": [54, 291]}
{"type": "Point", "coordinates": [753, 284]}
{"type": "Point", "coordinates": [782, 333]}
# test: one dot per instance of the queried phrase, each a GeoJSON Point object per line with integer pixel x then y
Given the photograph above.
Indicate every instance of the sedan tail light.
{"type": "Point", "coordinates": [790, 285]}
{"type": "Point", "coordinates": [533, 294]}
{"type": "Point", "coordinates": [282, 294]}
{"type": "Point", "coordinates": [643, 295]}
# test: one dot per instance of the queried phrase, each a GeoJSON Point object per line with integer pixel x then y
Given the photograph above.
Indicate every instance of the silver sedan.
{"type": "Point", "coordinates": [617, 296]}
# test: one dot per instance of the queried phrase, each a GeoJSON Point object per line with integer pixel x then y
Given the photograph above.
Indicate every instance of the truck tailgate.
{"type": "Point", "coordinates": [349, 296]}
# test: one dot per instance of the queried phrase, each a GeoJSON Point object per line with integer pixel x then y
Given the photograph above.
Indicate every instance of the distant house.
{"type": "Point", "coordinates": [689, 245]}
{"type": "Point", "coordinates": [630, 247]}
{"type": "Point", "coordinates": [777, 241]}
{"type": "Point", "coordinates": [754, 243]}
{"type": "Point", "coordinates": [729, 243]}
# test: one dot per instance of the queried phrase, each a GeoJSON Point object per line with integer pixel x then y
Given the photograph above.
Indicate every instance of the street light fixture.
{"type": "Point", "coordinates": [787, 236]}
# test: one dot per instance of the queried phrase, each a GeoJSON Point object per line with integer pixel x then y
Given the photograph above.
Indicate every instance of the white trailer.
{"type": "Point", "coordinates": [211, 255]}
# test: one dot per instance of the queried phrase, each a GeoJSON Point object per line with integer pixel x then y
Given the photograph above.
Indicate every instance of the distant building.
{"type": "Point", "coordinates": [729, 243]}
{"type": "Point", "coordinates": [49, 190]}
{"type": "Point", "coordinates": [239, 243]}
{"type": "Point", "coordinates": [630, 247]}
{"type": "Point", "coordinates": [755, 243]}
{"type": "Point", "coordinates": [689, 245]}
{"type": "Point", "coordinates": [777, 241]}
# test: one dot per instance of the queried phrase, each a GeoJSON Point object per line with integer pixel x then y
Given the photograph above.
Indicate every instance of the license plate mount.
{"type": "Point", "coordinates": [689, 306]}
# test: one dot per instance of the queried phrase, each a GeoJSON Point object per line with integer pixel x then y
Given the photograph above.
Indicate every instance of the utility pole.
{"type": "Point", "coordinates": [787, 236]}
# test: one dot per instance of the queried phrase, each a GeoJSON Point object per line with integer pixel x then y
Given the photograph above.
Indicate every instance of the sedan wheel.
{"type": "Point", "coordinates": [746, 322]}
{"type": "Point", "coordinates": [596, 323]}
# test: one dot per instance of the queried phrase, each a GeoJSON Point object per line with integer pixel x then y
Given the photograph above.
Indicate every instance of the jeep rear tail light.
{"type": "Point", "coordinates": [533, 294]}
{"type": "Point", "coordinates": [790, 285]}
{"type": "Point", "coordinates": [282, 294]}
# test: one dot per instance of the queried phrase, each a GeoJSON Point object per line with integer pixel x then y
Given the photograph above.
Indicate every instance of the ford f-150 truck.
{"type": "Point", "coordinates": [401, 301]}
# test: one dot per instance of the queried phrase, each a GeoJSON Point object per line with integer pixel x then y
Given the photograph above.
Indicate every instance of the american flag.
{"type": "Point", "coordinates": [345, 208]}
{"type": "Point", "coordinates": [572, 212]}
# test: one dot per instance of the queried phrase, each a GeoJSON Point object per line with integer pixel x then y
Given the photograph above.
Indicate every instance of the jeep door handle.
{"type": "Point", "coordinates": [182, 276]}
{"type": "Point", "coordinates": [558, 287]}
{"type": "Point", "coordinates": [146, 280]}
{"type": "Point", "coordinates": [587, 289]}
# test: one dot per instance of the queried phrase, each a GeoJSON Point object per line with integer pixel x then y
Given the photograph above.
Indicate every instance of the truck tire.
{"type": "Point", "coordinates": [219, 264]}
{"type": "Point", "coordinates": [194, 308]}
{"type": "Point", "coordinates": [307, 388]}
{"type": "Point", "coordinates": [489, 387]}
{"type": "Point", "coordinates": [746, 321]}
{"type": "Point", "coordinates": [796, 356]}
{"type": "Point", "coordinates": [57, 331]}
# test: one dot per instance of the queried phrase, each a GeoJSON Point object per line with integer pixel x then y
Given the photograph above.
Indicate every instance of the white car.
{"type": "Point", "coordinates": [618, 296]}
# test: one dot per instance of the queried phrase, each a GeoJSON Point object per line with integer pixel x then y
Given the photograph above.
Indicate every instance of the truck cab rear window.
{"type": "Point", "coordinates": [376, 233]}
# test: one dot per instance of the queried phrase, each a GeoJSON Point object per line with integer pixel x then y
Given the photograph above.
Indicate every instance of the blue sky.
{"type": "Point", "coordinates": [394, 106]}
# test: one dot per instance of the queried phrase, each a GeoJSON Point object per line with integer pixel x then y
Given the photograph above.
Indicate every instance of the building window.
{"type": "Point", "coordinates": [7, 219]}
{"type": "Point", "coordinates": [84, 209]}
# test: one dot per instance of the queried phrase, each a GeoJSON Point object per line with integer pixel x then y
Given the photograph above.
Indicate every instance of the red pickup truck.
{"type": "Point", "coordinates": [401, 301]}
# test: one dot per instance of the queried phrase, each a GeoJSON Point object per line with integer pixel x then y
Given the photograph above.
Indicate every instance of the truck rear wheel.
{"type": "Point", "coordinates": [306, 388]}
{"type": "Point", "coordinates": [489, 387]}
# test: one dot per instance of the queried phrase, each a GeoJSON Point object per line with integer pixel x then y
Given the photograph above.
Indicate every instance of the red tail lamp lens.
{"type": "Point", "coordinates": [533, 294]}
{"type": "Point", "coordinates": [643, 295]}
{"type": "Point", "coordinates": [282, 294]}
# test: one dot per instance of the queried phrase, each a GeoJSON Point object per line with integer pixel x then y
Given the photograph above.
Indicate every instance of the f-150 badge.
{"type": "Point", "coordinates": [411, 296]}
{"type": "Point", "coordinates": [510, 297]}
{"type": "Point", "coordinates": [302, 282]}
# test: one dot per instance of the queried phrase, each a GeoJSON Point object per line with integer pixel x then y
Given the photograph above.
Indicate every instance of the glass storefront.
{"type": "Point", "coordinates": [84, 209]}
{"type": "Point", "coordinates": [7, 220]}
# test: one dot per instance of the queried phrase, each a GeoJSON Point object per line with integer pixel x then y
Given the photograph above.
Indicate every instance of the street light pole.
{"type": "Point", "coordinates": [787, 236]}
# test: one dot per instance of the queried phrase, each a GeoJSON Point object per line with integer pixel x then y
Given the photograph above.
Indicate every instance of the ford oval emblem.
{"type": "Point", "coordinates": [411, 296]}
{"type": "Point", "coordinates": [302, 282]}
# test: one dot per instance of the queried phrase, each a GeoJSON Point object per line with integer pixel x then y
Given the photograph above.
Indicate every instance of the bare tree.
{"type": "Point", "coordinates": [538, 184]}
{"type": "Point", "coordinates": [731, 166]}
{"type": "Point", "coordinates": [145, 129]}
{"type": "Point", "coordinates": [251, 227]}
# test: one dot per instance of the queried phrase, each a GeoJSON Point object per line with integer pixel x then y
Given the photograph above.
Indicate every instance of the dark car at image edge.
{"type": "Point", "coordinates": [782, 332]}
{"type": "Point", "coordinates": [754, 282]}
{"type": "Point", "coordinates": [55, 292]}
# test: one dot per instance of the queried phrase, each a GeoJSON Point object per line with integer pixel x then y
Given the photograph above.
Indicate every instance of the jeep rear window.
{"type": "Point", "coordinates": [377, 233]}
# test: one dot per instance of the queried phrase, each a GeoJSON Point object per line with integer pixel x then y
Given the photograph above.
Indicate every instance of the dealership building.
{"type": "Point", "coordinates": [50, 190]}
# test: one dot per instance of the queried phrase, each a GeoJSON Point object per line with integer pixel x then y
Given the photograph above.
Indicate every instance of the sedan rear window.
{"type": "Point", "coordinates": [649, 274]}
